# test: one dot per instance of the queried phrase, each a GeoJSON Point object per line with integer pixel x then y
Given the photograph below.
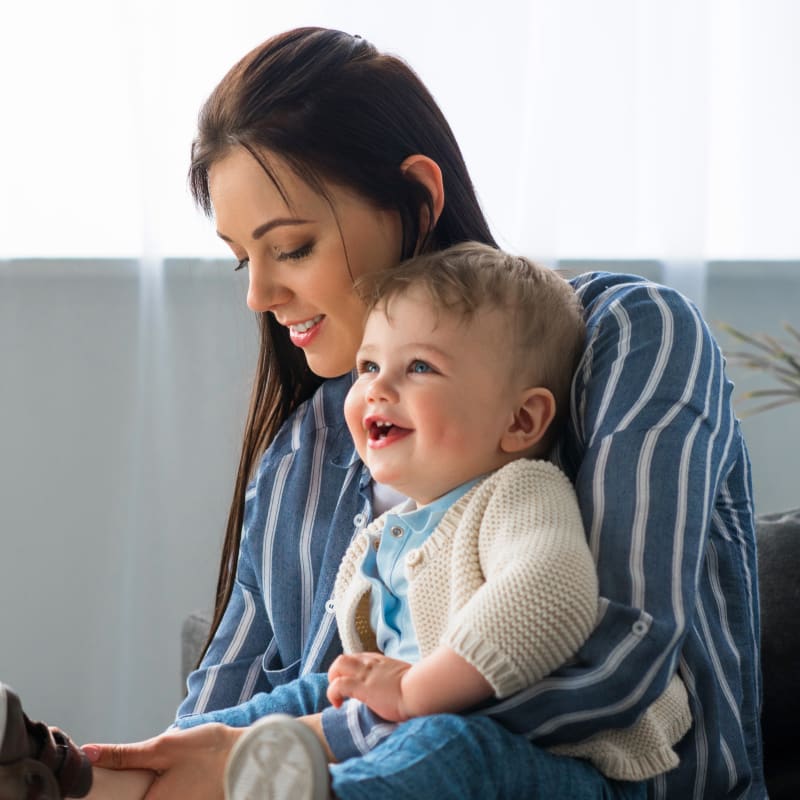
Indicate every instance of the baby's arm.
{"type": "Point", "coordinates": [127, 784]}
{"type": "Point", "coordinates": [396, 690]}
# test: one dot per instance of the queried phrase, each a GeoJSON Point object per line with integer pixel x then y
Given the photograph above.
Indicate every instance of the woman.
{"type": "Point", "coordinates": [321, 160]}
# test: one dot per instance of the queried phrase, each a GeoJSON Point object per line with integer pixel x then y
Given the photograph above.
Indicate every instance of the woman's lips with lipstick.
{"type": "Point", "coordinates": [381, 432]}
{"type": "Point", "coordinates": [301, 333]}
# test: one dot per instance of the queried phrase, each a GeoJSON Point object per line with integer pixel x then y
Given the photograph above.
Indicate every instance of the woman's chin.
{"type": "Point", "coordinates": [325, 368]}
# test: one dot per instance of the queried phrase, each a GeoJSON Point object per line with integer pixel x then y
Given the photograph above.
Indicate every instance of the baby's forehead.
{"type": "Point", "coordinates": [442, 326]}
{"type": "Point", "coordinates": [441, 310]}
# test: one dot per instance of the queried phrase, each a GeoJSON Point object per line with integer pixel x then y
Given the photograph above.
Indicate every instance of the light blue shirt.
{"type": "Point", "coordinates": [407, 528]}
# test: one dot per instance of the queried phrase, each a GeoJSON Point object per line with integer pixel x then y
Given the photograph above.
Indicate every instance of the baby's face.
{"type": "Point", "coordinates": [433, 396]}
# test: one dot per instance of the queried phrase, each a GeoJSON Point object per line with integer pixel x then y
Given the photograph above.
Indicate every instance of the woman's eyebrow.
{"type": "Point", "coordinates": [261, 230]}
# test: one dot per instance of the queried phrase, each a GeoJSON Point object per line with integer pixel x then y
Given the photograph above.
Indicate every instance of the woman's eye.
{"type": "Point", "coordinates": [295, 255]}
{"type": "Point", "coordinates": [245, 262]}
{"type": "Point", "coordinates": [420, 366]}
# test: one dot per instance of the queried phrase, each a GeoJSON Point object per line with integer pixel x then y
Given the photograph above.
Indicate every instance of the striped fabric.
{"type": "Point", "coordinates": [663, 480]}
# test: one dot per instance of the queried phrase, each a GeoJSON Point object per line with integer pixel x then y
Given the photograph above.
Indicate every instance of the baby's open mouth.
{"type": "Point", "coordinates": [380, 430]}
{"type": "Point", "coordinates": [383, 432]}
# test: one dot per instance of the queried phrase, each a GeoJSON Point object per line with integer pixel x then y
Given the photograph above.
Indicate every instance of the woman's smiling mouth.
{"type": "Point", "coordinates": [301, 333]}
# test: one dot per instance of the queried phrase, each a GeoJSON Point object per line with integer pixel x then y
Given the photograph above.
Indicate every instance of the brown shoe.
{"type": "Point", "coordinates": [37, 762]}
{"type": "Point", "coordinates": [27, 779]}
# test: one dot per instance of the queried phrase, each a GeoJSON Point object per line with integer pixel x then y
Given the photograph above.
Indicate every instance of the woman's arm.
{"type": "Point", "coordinates": [233, 659]}
{"type": "Point", "coordinates": [188, 763]}
{"type": "Point", "coordinates": [299, 517]}
{"type": "Point", "coordinates": [129, 784]}
{"type": "Point", "coordinates": [659, 462]}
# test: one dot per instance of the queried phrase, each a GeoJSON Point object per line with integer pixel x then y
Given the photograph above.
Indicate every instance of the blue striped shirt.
{"type": "Point", "coordinates": [663, 480]}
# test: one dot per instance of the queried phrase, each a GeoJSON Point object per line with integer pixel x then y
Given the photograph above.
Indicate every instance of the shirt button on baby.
{"type": "Point", "coordinates": [396, 531]}
{"type": "Point", "coordinates": [413, 557]}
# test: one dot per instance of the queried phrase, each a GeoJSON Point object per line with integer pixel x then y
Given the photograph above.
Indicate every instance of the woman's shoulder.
{"type": "Point", "coordinates": [317, 423]}
{"type": "Point", "coordinates": [612, 295]}
{"type": "Point", "coordinates": [648, 349]}
{"type": "Point", "coordinates": [632, 319]}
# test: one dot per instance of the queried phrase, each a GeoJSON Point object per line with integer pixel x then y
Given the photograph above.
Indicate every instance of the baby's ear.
{"type": "Point", "coordinates": [531, 418]}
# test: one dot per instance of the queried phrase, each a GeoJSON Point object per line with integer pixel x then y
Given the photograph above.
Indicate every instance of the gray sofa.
{"type": "Point", "coordinates": [779, 584]}
{"type": "Point", "coordinates": [779, 578]}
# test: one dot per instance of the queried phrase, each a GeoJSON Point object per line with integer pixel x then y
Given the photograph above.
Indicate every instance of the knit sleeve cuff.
{"type": "Point", "coordinates": [496, 667]}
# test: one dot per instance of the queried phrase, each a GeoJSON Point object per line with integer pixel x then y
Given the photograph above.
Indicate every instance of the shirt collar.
{"type": "Point", "coordinates": [420, 518]}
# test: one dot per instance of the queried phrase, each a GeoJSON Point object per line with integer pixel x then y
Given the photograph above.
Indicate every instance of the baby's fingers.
{"type": "Point", "coordinates": [344, 687]}
{"type": "Point", "coordinates": [347, 665]}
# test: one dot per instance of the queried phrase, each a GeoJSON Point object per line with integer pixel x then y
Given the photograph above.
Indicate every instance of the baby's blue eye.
{"type": "Point", "coordinates": [367, 366]}
{"type": "Point", "coordinates": [420, 367]}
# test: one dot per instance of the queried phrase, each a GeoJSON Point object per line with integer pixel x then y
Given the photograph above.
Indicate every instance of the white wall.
{"type": "Point", "coordinates": [758, 298]}
{"type": "Point", "coordinates": [120, 420]}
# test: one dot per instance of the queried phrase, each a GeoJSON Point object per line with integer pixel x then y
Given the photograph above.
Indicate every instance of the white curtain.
{"type": "Point", "coordinates": [616, 129]}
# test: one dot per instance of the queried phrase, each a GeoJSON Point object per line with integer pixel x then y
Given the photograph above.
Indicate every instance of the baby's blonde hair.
{"type": "Point", "coordinates": [546, 326]}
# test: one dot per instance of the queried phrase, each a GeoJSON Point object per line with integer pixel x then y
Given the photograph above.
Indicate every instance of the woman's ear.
{"type": "Point", "coordinates": [426, 171]}
{"type": "Point", "coordinates": [530, 420]}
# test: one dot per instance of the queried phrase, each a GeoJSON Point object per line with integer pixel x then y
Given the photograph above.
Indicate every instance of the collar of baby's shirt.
{"type": "Point", "coordinates": [420, 518]}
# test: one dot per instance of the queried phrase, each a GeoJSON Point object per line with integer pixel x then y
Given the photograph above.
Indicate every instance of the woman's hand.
{"type": "Point", "coordinates": [374, 679]}
{"type": "Point", "coordinates": [189, 764]}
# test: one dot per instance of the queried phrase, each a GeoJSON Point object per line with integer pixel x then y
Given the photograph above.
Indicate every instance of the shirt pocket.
{"type": "Point", "coordinates": [278, 675]}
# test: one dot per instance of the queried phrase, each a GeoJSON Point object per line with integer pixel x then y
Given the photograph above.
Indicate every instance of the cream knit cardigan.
{"type": "Point", "coordinates": [507, 581]}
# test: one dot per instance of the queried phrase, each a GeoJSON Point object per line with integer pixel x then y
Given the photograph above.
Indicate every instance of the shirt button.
{"type": "Point", "coordinates": [639, 627]}
{"type": "Point", "coordinates": [330, 607]}
{"type": "Point", "coordinates": [376, 542]}
{"type": "Point", "coordinates": [413, 557]}
{"type": "Point", "coordinates": [359, 520]}
{"type": "Point", "coordinates": [396, 531]}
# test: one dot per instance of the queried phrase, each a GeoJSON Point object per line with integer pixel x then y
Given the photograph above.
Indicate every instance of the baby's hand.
{"type": "Point", "coordinates": [374, 679]}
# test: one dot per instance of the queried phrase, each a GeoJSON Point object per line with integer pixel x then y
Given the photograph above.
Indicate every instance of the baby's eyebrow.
{"type": "Point", "coordinates": [427, 347]}
{"type": "Point", "coordinates": [365, 349]}
{"type": "Point", "coordinates": [407, 349]}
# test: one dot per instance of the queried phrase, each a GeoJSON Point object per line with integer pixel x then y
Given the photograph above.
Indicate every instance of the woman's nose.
{"type": "Point", "coordinates": [265, 293]}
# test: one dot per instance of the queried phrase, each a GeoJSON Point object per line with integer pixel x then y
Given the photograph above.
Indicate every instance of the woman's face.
{"type": "Point", "coordinates": [303, 257]}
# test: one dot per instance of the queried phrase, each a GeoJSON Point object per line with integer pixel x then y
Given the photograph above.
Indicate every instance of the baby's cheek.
{"type": "Point", "coordinates": [353, 415]}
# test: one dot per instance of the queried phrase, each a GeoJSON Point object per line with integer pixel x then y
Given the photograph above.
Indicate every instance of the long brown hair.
{"type": "Point", "coordinates": [336, 111]}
